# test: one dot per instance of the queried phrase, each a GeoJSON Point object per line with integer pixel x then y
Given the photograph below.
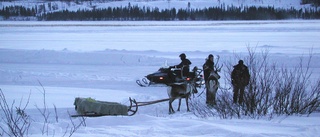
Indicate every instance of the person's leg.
{"type": "Point", "coordinates": [207, 92]}
{"type": "Point", "coordinates": [241, 95]}
{"type": "Point", "coordinates": [235, 94]}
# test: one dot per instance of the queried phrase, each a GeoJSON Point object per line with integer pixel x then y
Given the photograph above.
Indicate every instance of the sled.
{"type": "Point", "coordinates": [92, 108]}
{"type": "Point", "coordinates": [88, 107]}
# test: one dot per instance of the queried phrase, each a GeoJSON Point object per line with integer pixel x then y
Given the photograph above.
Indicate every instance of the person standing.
{"type": "Point", "coordinates": [240, 79]}
{"type": "Point", "coordinates": [208, 66]}
{"type": "Point", "coordinates": [212, 87]}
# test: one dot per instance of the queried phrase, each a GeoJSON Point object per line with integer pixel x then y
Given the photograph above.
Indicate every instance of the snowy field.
{"type": "Point", "coordinates": [102, 60]}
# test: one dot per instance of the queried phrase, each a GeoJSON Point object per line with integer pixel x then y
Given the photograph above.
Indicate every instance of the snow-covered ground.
{"type": "Point", "coordinates": [221, 36]}
{"type": "Point", "coordinates": [102, 60]}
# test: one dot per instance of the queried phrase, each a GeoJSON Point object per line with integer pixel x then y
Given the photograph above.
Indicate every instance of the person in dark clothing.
{"type": "Point", "coordinates": [240, 79]}
{"type": "Point", "coordinates": [211, 88]}
{"type": "Point", "coordinates": [184, 66]}
{"type": "Point", "coordinates": [208, 67]}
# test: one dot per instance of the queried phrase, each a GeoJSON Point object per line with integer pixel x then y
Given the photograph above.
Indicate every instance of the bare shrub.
{"type": "Point", "coordinates": [200, 108]}
{"type": "Point", "coordinates": [44, 112]}
{"type": "Point", "coordinates": [16, 122]}
{"type": "Point", "coordinates": [295, 93]}
{"type": "Point", "coordinates": [272, 90]}
{"type": "Point", "coordinates": [75, 126]}
{"type": "Point", "coordinates": [225, 107]}
{"type": "Point", "coordinates": [258, 97]}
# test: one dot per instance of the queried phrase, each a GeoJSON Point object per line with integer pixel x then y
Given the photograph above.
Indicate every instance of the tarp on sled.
{"type": "Point", "coordinates": [89, 105]}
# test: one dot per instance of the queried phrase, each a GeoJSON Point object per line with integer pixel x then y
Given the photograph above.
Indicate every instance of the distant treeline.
{"type": "Point", "coordinates": [313, 2]}
{"type": "Point", "coordinates": [131, 13]}
{"type": "Point", "coordinates": [17, 11]}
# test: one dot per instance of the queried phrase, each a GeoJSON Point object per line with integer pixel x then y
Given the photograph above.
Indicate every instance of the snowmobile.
{"type": "Point", "coordinates": [168, 75]}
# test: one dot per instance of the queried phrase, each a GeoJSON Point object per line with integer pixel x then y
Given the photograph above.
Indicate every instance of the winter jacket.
{"type": "Point", "coordinates": [240, 75]}
{"type": "Point", "coordinates": [208, 66]}
{"type": "Point", "coordinates": [185, 65]}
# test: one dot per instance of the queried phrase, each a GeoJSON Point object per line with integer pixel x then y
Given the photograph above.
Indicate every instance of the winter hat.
{"type": "Point", "coordinates": [182, 55]}
{"type": "Point", "coordinates": [240, 62]}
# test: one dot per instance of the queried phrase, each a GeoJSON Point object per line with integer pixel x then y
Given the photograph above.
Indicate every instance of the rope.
{"type": "Point", "coordinates": [156, 101]}
{"type": "Point", "coordinates": [151, 102]}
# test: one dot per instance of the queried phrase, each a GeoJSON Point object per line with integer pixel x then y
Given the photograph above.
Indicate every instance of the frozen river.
{"type": "Point", "coordinates": [296, 36]}
{"type": "Point", "coordinates": [110, 75]}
